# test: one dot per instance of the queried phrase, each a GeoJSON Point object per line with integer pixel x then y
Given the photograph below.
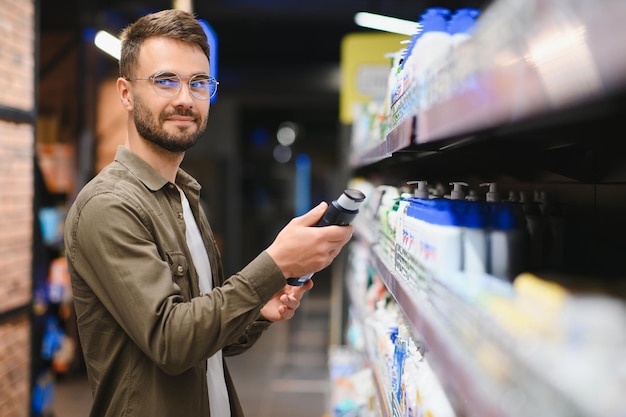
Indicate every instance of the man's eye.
{"type": "Point", "coordinates": [166, 82]}
{"type": "Point", "coordinates": [200, 83]}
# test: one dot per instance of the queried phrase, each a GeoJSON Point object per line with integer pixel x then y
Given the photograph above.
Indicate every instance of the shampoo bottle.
{"type": "Point", "coordinates": [536, 231]}
{"type": "Point", "coordinates": [340, 212]}
{"type": "Point", "coordinates": [430, 50]}
{"type": "Point", "coordinates": [475, 238]}
{"type": "Point", "coordinates": [400, 353]}
{"type": "Point", "coordinates": [507, 243]}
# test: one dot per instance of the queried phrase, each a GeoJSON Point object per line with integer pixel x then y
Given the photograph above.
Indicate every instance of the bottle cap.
{"type": "Point", "coordinates": [513, 197]}
{"type": "Point", "coordinates": [434, 19]}
{"type": "Point", "coordinates": [457, 191]}
{"type": "Point", "coordinates": [350, 199]}
{"type": "Point", "coordinates": [492, 194]}
{"type": "Point", "coordinates": [462, 21]}
{"type": "Point", "coordinates": [421, 191]}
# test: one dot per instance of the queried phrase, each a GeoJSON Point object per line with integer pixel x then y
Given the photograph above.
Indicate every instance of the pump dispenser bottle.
{"type": "Point", "coordinates": [507, 242]}
{"type": "Point", "coordinates": [491, 195]}
{"type": "Point", "coordinates": [474, 226]}
{"type": "Point", "coordinates": [340, 212]}
{"type": "Point", "coordinates": [421, 191]}
{"type": "Point", "coordinates": [457, 192]}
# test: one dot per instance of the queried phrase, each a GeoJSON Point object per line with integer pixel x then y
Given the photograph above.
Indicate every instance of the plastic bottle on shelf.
{"type": "Point", "coordinates": [406, 78]}
{"type": "Point", "coordinates": [492, 195]}
{"type": "Point", "coordinates": [457, 192]}
{"type": "Point", "coordinates": [430, 50]}
{"type": "Point", "coordinates": [394, 87]}
{"type": "Point", "coordinates": [421, 191]}
{"type": "Point", "coordinates": [433, 399]}
{"type": "Point", "coordinates": [400, 353]}
{"type": "Point", "coordinates": [407, 234]}
{"type": "Point", "coordinates": [437, 226]}
{"type": "Point", "coordinates": [474, 233]}
{"type": "Point", "coordinates": [535, 223]}
{"type": "Point", "coordinates": [513, 197]}
{"type": "Point", "coordinates": [507, 242]}
{"type": "Point", "coordinates": [407, 56]}
{"type": "Point", "coordinates": [386, 209]}
{"type": "Point", "coordinates": [411, 402]}
{"type": "Point", "coordinates": [461, 24]}
{"type": "Point", "coordinates": [404, 237]}
{"type": "Point", "coordinates": [555, 232]}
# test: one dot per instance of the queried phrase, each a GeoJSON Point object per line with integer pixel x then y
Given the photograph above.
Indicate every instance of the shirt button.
{"type": "Point", "coordinates": [180, 215]}
{"type": "Point", "coordinates": [180, 269]}
{"type": "Point", "coordinates": [170, 186]}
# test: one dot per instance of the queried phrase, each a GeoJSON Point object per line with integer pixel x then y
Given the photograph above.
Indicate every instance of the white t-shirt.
{"type": "Point", "coordinates": [218, 394]}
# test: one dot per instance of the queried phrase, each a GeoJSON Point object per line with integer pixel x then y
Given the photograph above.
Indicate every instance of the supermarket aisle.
{"type": "Point", "coordinates": [284, 374]}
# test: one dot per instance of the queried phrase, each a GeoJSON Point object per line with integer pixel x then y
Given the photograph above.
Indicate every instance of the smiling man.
{"type": "Point", "coordinates": [155, 312]}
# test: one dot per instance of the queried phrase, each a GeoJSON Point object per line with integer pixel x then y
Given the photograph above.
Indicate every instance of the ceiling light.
{"type": "Point", "coordinates": [108, 43]}
{"type": "Point", "coordinates": [386, 23]}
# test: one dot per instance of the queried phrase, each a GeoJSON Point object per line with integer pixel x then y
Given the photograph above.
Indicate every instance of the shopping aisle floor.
{"type": "Point", "coordinates": [284, 374]}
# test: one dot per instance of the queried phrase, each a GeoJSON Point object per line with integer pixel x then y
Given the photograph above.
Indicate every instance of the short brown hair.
{"type": "Point", "coordinates": [172, 23]}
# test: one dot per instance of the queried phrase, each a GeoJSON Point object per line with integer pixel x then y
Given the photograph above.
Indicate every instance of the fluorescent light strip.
{"type": "Point", "coordinates": [108, 43]}
{"type": "Point", "coordinates": [386, 23]}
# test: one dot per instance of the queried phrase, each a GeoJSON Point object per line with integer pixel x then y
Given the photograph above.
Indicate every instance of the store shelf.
{"type": "Point", "coordinates": [557, 56]}
{"type": "Point", "coordinates": [528, 66]}
{"type": "Point", "coordinates": [513, 388]}
{"type": "Point", "coordinates": [540, 87]}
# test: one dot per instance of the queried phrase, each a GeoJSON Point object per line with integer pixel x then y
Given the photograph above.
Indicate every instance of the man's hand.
{"type": "Point", "coordinates": [283, 305]}
{"type": "Point", "coordinates": [300, 249]}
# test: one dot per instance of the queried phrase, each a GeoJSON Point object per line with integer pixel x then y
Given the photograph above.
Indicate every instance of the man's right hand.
{"type": "Point", "coordinates": [300, 249]}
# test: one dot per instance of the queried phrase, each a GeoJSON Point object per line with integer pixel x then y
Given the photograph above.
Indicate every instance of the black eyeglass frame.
{"type": "Point", "coordinates": [165, 75]}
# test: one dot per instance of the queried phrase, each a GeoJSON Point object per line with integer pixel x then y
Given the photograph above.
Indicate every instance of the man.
{"type": "Point", "coordinates": [155, 313]}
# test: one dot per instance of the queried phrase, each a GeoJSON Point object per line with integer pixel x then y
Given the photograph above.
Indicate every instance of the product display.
{"type": "Point", "coordinates": [488, 301]}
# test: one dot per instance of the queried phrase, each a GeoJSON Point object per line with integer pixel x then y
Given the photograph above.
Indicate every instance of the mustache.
{"type": "Point", "coordinates": [180, 112]}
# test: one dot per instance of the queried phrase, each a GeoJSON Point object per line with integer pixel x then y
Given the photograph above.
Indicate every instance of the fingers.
{"type": "Point", "coordinates": [339, 234]}
{"type": "Point", "coordinates": [290, 302]}
{"type": "Point", "coordinates": [300, 249]}
{"type": "Point", "coordinates": [293, 294]}
{"type": "Point", "coordinates": [312, 216]}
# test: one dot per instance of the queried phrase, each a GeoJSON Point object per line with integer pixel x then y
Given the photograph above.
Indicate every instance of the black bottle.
{"type": "Point", "coordinates": [340, 212]}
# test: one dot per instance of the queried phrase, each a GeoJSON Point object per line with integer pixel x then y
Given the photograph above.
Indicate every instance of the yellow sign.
{"type": "Point", "coordinates": [365, 67]}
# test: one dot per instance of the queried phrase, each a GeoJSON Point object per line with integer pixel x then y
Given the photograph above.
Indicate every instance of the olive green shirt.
{"type": "Point", "coordinates": [145, 329]}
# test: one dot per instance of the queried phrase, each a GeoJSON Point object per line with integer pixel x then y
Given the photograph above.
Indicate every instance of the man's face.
{"type": "Point", "coordinates": [172, 123]}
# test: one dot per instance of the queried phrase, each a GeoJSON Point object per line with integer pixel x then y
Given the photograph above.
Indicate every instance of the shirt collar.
{"type": "Point", "coordinates": [149, 176]}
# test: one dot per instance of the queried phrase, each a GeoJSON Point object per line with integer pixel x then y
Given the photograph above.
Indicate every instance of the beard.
{"type": "Point", "coordinates": [154, 133]}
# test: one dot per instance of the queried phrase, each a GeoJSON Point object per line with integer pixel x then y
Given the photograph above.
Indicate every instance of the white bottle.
{"type": "Point", "coordinates": [507, 242]}
{"type": "Point", "coordinates": [438, 240]}
{"type": "Point", "coordinates": [461, 25]}
{"type": "Point", "coordinates": [475, 237]}
{"type": "Point", "coordinates": [422, 190]}
{"type": "Point", "coordinates": [430, 50]}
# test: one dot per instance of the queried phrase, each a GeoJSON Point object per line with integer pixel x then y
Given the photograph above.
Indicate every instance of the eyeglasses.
{"type": "Point", "coordinates": [168, 84]}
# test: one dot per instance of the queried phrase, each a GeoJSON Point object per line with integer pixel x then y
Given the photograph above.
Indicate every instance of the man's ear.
{"type": "Point", "coordinates": [125, 93]}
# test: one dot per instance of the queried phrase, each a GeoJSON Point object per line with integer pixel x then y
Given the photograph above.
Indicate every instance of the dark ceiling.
{"type": "Point", "coordinates": [264, 43]}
